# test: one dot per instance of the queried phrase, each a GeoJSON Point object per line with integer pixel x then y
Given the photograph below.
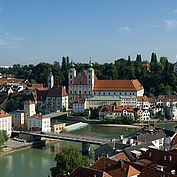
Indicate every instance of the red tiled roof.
{"type": "Point", "coordinates": [3, 114]}
{"type": "Point", "coordinates": [88, 172]}
{"type": "Point", "coordinates": [29, 102]}
{"type": "Point", "coordinates": [117, 85]}
{"type": "Point", "coordinates": [58, 91]}
{"type": "Point", "coordinates": [121, 156]}
{"type": "Point", "coordinates": [79, 101]}
{"type": "Point", "coordinates": [147, 65]}
{"type": "Point", "coordinates": [116, 108]}
{"type": "Point", "coordinates": [142, 98]}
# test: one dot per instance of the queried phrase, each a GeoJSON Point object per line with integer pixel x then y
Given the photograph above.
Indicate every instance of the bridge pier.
{"type": "Point", "coordinates": [85, 147]}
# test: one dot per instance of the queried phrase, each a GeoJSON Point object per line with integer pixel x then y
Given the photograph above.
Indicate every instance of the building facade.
{"type": "Point", "coordinates": [6, 122]}
{"type": "Point", "coordinates": [18, 119]}
{"type": "Point", "coordinates": [56, 100]}
{"type": "Point", "coordinates": [81, 85]}
{"type": "Point", "coordinates": [38, 122]}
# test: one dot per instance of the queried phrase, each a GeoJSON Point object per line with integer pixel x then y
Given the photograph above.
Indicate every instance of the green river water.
{"type": "Point", "coordinates": [36, 162]}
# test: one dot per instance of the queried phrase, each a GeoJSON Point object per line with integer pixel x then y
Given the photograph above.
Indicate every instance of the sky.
{"type": "Point", "coordinates": [33, 31]}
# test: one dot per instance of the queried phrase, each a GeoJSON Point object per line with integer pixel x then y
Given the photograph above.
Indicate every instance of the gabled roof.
{"type": "Point", "coordinates": [116, 108]}
{"type": "Point", "coordinates": [58, 91]}
{"type": "Point", "coordinates": [117, 85]}
{"type": "Point", "coordinates": [120, 156]}
{"type": "Point", "coordinates": [142, 98]}
{"type": "Point", "coordinates": [88, 172]}
{"type": "Point", "coordinates": [79, 101]}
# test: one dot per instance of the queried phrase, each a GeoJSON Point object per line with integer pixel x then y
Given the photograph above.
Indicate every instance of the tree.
{"type": "Point", "coordinates": [3, 137]}
{"type": "Point", "coordinates": [69, 159]}
{"type": "Point", "coordinates": [153, 57]}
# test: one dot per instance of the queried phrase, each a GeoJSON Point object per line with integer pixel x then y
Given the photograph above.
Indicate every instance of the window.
{"type": "Point", "coordinates": [70, 82]}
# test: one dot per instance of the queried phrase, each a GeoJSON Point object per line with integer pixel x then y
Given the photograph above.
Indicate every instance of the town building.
{"type": "Point", "coordinates": [81, 85]}
{"type": "Point", "coordinates": [86, 85]}
{"type": "Point", "coordinates": [29, 108]}
{"type": "Point", "coordinates": [18, 118]}
{"type": "Point", "coordinates": [118, 88]}
{"type": "Point", "coordinates": [58, 127]}
{"type": "Point", "coordinates": [129, 100]}
{"type": "Point", "coordinates": [6, 122]}
{"type": "Point", "coordinates": [79, 105]}
{"type": "Point", "coordinates": [39, 122]}
{"type": "Point", "coordinates": [97, 101]}
{"type": "Point", "coordinates": [143, 102]}
{"type": "Point", "coordinates": [170, 109]}
{"type": "Point", "coordinates": [144, 115]}
{"type": "Point", "coordinates": [115, 111]}
{"type": "Point", "coordinates": [56, 100]}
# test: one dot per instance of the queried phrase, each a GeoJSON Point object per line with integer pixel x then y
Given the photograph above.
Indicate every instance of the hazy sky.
{"type": "Point", "coordinates": [33, 31]}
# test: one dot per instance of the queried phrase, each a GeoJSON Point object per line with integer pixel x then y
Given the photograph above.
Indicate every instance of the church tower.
{"type": "Point", "coordinates": [90, 78]}
{"type": "Point", "coordinates": [71, 74]}
{"type": "Point", "coordinates": [50, 80]}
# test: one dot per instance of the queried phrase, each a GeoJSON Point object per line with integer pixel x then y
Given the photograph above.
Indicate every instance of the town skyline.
{"type": "Point", "coordinates": [34, 32]}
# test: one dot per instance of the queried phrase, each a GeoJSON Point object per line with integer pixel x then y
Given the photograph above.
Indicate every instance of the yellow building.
{"type": "Point", "coordinates": [58, 127]}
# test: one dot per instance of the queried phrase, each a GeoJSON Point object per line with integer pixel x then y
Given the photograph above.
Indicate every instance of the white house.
{"type": "Point", "coordinates": [38, 122]}
{"type": "Point", "coordinates": [144, 115]}
{"type": "Point", "coordinates": [143, 102]}
{"type": "Point", "coordinates": [6, 122]}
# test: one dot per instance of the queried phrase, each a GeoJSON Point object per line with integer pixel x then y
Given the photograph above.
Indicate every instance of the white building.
{"type": "Point", "coordinates": [115, 111]}
{"type": "Point", "coordinates": [56, 100]}
{"type": "Point", "coordinates": [170, 109]}
{"type": "Point", "coordinates": [29, 108]}
{"type": "Point", "coordinates": [38, 122]}
{"type": "Point", "coordinates": [144, 115]}
{"type": "Point", "coordinates": [143, 102]}
{"type": "Point", "coordinates": [6, 122]}
{"type": "Point", "coordinates": [118, 88]}
{"type": "Point", "coordinates": [129, 100]}
{"type": "Point", "coordinates": [79, 105]}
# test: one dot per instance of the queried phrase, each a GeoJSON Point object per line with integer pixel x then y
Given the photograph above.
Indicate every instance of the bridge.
{"type": "Point", "coordinates": [56, 114]}
{"type": "Point", "coordinates": [85, 140]}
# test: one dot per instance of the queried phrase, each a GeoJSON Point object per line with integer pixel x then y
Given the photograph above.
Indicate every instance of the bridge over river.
{"type": "Point", "coordinates": [85, 140]}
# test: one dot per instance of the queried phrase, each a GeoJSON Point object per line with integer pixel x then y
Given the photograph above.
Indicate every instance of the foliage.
{"type": "Point", "coordinates": [69, 159]}
{"type": "Point", "coordinates": [3, 137]}
{"type": "Point", "coordinates": [39, 109]}
{"type": "Point", "coordinates": [159, 80]}
{"type": "Point", "coordinates": [14, 104]}
{"type": "Point", "coordinates": [123, 119]}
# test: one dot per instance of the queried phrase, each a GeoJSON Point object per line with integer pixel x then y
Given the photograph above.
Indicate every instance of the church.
{"type": "Point", "coordinates": [85, 85]}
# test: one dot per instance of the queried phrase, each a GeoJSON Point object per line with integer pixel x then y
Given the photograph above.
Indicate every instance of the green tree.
{"type": "Point", "coordinates": [3, 138]}
{"type": "Point", "coordinates": [69, 159]}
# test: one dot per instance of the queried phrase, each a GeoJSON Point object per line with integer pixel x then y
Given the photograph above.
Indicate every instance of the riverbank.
{"type": "Point", "coordinates": [12, 146]}
{"type": "Point", "coordinates": [121, 125]}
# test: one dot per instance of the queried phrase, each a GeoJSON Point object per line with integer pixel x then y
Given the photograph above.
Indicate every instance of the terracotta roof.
{"type": "Point", "coordinates": [114, 168]}
{"type": "Point", "coordinates": [117, 85]}
{"type": "Point", "coordinates": [3, 114]}
{"type": "Point", "coordinates": [58, 91]}
{"type": "Point", "coordinates": [121, 156]}
{"type": "Point", "coordinates": [142, 98]}
{"type": "Point", "coordinates": [29, 102]}
{"type": "Point", "coordinates": [88, 172]}
{"type": "Point", "coordinates": [147, 65]}
{"type": "Point", "coordinates": [79, 101]}
{"type": "Point", "coordinates": [116, 108]}
{"type": "Point", "coordinates": [41, 95]}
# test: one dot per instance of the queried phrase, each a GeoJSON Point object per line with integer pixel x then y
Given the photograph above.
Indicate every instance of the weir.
{"type": "Point", "coordinates": [75, 126]}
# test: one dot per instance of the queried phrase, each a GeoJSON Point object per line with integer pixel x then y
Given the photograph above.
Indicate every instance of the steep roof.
{"type": "Point", "coordinates": [117, 85]}
{"type": "Point", "coordinates": [142, 98]}
{"type": "Point", "coordinates": [88, 172]}
{"type": "Point", "coordinates": [58, 91]}
{"type": "Point", "coordinates": [116, 108]}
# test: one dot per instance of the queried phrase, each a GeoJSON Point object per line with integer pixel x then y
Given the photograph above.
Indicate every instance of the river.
{"type": "Point", "coordinates": [36, 162]}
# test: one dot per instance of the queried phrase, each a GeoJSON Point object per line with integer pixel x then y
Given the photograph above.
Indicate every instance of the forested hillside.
{"type": "Point", "coordinates": [158, 79]}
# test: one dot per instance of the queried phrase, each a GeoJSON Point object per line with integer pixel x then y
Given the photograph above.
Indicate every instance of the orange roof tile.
{"type": "Point", "coordinates": [117, 85]}
{"type": "Point", "coordinates": [121, 156]}
{"type": "Point", "coordinates": [79, 101]}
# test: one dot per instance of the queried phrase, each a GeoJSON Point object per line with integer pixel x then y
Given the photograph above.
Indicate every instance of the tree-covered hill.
{"type": "Point", "coordinates": [158, 78]}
